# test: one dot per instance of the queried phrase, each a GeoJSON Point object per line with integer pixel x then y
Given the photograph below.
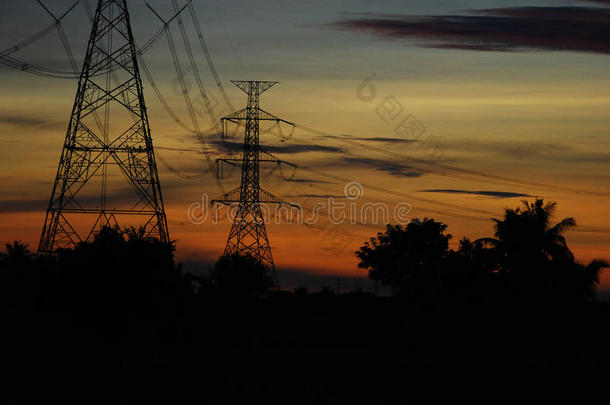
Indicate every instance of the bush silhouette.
{"type": "Point", "coordinates": [240, 275]}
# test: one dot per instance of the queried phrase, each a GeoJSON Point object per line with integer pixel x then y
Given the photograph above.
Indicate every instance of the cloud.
{"type": "Point", "coordinates": [292, 149]}
{"type": "Point", "coordinates": [381, 139]}
{"type": "Point", "coordinates": [230, 146]}
{"type": "Point", "coordinates": [25, 121]}
{"type": "Point", "coordinates": [9, 206]}
{"type": "Point", "coordinates": [122, 197]}
{"type": "Point", "coordinates": [513, 149]}
{"type": "Point", "coordinates": [531, 150]}
{"type": "Point", "coordinates": [312, 181]}
{"type": "Point", "coordinates": [597, 1]}
{"type": "Point", "coordinates": [578, 29]}
{"type": "Point", "coordinates": [318, 196]}
{"type": "Point", "coordinates": [497, 194]}
{"type": "Point", "coordinates": [394, 169]}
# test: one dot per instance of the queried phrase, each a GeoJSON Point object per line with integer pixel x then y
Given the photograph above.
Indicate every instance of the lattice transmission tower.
{"type": "Point", "coordinates": [248, 235]}
{"type": "Point", "coordinates": [107, 173]}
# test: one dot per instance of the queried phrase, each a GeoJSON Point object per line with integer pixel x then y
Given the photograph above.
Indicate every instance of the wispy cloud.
{"type": "Point", "coordinates": [559, 152]}
{"type": "Point", "coordinates": [514, 149]}
{"type": "Point", "coordinates": [381, 139]}
{"type": "Point", "coordinates": [580, 29]}
{"type": "Point", "coordinates": [8, 206]}
{"type": "Point", "coordinates": [496, 194]}
{"type": "Point", "coordinates": [312, 181]}
{"type": "Point", "coordinates": [25, 121]}
{"type": "Point", "coordinates": [597, 1]}
{"type": "Point", "coordinates": [318, 196]}
{"type": "Point", "coordinates": [394, 169]}
{"type": "Point", "coordinates": [121, 197]}
{"type": "Point", "coordinates": [230, 146]}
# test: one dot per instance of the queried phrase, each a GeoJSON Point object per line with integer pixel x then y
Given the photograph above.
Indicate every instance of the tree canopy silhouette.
{"type": "Point", "coordinates": [534, 254]}
{"type": "Point", "coordinates": [119, 305]}
{"type": "Point", "coordinates": [16, 253]}
{"type": "Point", "coordinates": [119, 279]}
{"type": "Point", "coordinates": [529, 259]}
{"type": "Point", "coordinates": [240, 275]}
{"type": "Point", "coordinates": [409, 259]}
{"type": "Point", "coordinates": [525, 236]}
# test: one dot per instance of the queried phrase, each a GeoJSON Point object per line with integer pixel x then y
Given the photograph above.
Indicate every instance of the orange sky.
{"type": "Point", "coordinates": [532, 117]}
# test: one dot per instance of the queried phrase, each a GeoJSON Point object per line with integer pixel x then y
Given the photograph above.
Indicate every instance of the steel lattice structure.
{"type": "Point", "coordinates": [108, 134]}
{"type": "Point", "coordinates": [248, 235]}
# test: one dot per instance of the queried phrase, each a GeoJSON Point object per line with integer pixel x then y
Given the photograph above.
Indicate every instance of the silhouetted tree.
{"type": "Point", "coordinates": [478, 255]}
{"type": "Point", "coordinates": [408, 259]}
{"type": "Point", "coordinates": [525, 235]}
{"type": "Point", "coordinates": [19, 277]}
{"type": "Point", "coordinates": [534, 254]}
{"type": "Point", "coordinates": [588, 278]}
{"type": "Point", "coordinates": [240, 275]}
{"type": "Point", "coordinates": [121, 281]}
{"type": "Point", "coordinates": [16, 253]}
{"type": "Point", "coordinates": [469, 274]}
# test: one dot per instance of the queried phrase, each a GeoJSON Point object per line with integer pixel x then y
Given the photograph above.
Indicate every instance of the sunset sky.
{"type": "Point", "coordinates": [505, 101]}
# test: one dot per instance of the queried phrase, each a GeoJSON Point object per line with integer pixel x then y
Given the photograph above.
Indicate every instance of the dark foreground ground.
{"type": "Point", "coordinates": [297, 349]}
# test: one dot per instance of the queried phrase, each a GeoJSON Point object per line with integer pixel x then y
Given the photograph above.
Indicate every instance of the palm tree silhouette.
{"type": "Point", "coordinates": [16, 252]}
{"type": "Point", "coordinates": [535, 254]}
{"type": "Point", "coordinates": [590, 275]}
{"type": "Point", "coordinates": [525, 236]}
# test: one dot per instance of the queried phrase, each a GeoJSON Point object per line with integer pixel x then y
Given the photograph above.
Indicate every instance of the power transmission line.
{"type": "Point", "coordinates": [208, 57]}
{"type": "Point", "coordinates": [489, 177]}
{"type": "Point", "coordinates": [26, 67]}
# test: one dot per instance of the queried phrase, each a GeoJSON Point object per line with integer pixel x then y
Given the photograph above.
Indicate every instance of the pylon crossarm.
{"type": "Point", "coordinates": [266, 116]}
{"type": "Point", "coordinates": [263, 157]}
{"type": "Point", "coordinates": [246, 114]}
{"type": "Point", "coordinates": [228, 198]}
{"type": "Point", "coordinates": [259, 86]}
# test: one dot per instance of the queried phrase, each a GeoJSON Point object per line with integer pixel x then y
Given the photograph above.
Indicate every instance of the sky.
{"type": "Point", "coordinates": [447, 109]}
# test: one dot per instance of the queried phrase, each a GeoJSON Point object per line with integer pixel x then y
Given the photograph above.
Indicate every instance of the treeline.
{"type": "Point", "coordinates": [527, 262]}
{"type": "Point", "coordinates": [516, 306]}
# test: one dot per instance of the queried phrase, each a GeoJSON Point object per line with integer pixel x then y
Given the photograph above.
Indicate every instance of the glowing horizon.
{"type": "Point", "coordinates": [538, 117]}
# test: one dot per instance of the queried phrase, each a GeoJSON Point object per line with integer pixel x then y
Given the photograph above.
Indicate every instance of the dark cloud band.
{"type": "Point", "coordinates": [229, 146]}
{"type": "Point", "coordinates": [580, 29]}
{"type": "Point", "coordinates": [394, 169]}
{"type": "Point", "coordinates": [497, 194]}
{"type": "Point", "coordinates": [26, 121]}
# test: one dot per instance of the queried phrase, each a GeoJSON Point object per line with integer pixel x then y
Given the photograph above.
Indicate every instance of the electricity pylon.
{"type": "Point", "coordinates": [108, 140]}
{"type": "Point", "coordinates": [248, 234]}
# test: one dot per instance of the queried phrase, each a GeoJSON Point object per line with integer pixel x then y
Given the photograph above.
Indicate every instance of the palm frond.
{"type": "Point", "coordinates": [562, 226]}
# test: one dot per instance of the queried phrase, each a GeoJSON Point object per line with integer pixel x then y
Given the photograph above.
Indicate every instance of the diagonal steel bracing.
{"type": "Point", "coordinates": [108, 130]}
{"type": "Point", "coordinates": [248, 235]}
